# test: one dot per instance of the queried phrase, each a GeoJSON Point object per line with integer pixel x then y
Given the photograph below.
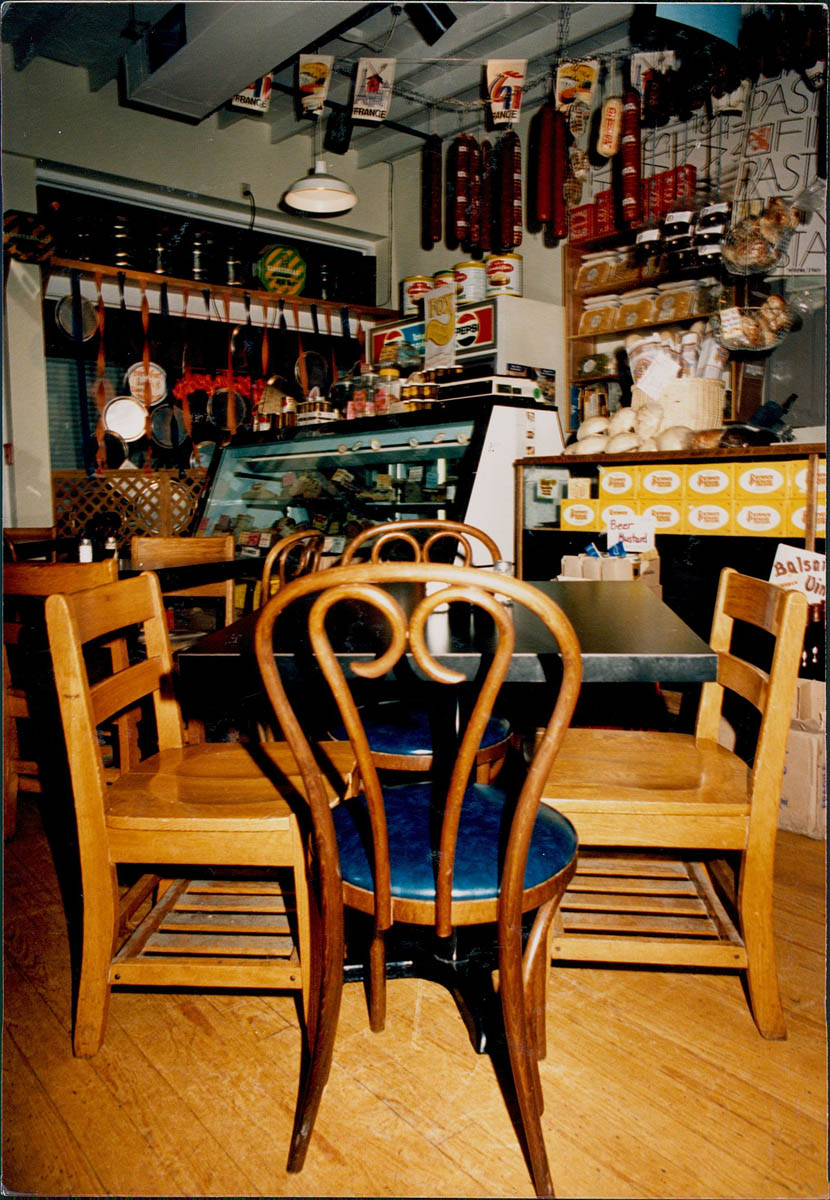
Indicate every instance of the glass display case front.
{"type": "Point", "coordinates": [337, 482]}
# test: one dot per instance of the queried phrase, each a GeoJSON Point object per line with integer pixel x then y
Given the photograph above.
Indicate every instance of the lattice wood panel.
{"type": "Point", "coordinates": [154, 502]}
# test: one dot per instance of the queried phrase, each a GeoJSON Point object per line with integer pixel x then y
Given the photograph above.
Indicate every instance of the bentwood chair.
{"type": "Point", "coordinates": [657, 812]}
{"type": "Point", "coordinates": [401, 731]}
{"type": "Point", "coordinates": [296, 554]}
{"type": "Point", "coordinates": [25, 587]}
{"type": "Point", "coordinates": [150, 553]}
{"type": "Point", "coordinates": [197, 813]}
{"type": "Point", "coordinates": [439, 852]}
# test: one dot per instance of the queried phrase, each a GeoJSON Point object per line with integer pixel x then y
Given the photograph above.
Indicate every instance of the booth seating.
{"type": "Point", "coordinates": [677, 833]}
{"type": "Point", "coordinates": [439, 852]}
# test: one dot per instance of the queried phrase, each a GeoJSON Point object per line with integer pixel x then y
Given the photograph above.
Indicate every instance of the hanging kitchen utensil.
{"type": "Point", "coordinates": [202, 454]}
{"type": "Point", "coordinates": [168, 426]}
{"type": "Point", "coordinates": [332, 355]}
{"type": "Point", "coordinates": [141, 382]}
{"type": "Point", "coordinates": [300, 371]}
{"type": "Point", "coordinates": [88, 322]}
{"type": "Point", "coordinates": [101, 396]}
{"type": "Point", "coordinates": [312, 371]}
{"type": "Point", "coordinates": [126, 416]}
{"type": "Point", "coordinates": [231, 408]}
{"type": "Point", "coordinates": [114, 450]}
{"type": "Point", "coordinates": [264, 349]}
{"type": "Point", "coordinates": [88, 447]}
{"type": "Point", "coordinates": [228, 409]}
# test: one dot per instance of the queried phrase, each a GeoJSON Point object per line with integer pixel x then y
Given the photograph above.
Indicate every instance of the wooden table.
{"type": "Point", "coordinates": [627, 635]}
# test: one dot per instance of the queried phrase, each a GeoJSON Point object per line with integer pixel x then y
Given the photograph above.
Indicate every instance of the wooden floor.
{"type": "Point", "coordinates": [656, 1084]}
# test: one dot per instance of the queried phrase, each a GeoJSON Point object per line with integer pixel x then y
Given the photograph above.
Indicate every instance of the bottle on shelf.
{"type": "Point", "coordinates": [85, 550]}
{"type": "Point", "coordinates": [813, 655]}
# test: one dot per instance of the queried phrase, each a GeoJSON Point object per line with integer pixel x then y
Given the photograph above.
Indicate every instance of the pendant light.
{"type": "Point", "coordinates": [318, 192]}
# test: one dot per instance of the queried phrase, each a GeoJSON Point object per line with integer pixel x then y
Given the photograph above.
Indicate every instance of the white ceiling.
{"type": "Point", "coordinates": [438, 88]}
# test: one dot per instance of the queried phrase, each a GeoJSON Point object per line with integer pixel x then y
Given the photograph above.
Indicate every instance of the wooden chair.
{"type": "Point", "coordinates": [297, 554]}
{"type": "Point", "coordinates": [401, 732]}
{"type": "Point", "coordinates": [25, 587]}
{"type": "Point", "coordinates": [656, 812]}
{"type": "Point", "coordinates": [378, 851]}
{"type": "Point", "coordinates": [420, 539]}
{"type": "Point", "coordinates": [15, 536]}
{"type": "Point", "coordinates": [150, 553]}
{"type": "Point", "coordinates": [218, 806]}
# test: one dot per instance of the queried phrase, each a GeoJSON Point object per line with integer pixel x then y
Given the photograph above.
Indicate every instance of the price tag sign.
{"type": "Point", "coordinates": [800, 571]}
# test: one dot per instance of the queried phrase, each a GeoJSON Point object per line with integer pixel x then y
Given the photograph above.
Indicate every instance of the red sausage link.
{"type": "Point", "coordinates": [561, 167]}
{"type": "Point", "coordinates": [632, 205]}
{"type": "Point", "coordinates": [474, 207]}
{"type": "Point", "coordinates": [544, 166]}
{"type": "Point", "coordinates": [486, 202]}
{"type": "Point", "coordinates": [462, 187]}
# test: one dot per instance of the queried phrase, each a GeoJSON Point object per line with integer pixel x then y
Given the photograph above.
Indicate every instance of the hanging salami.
{"type": "Point", "coordinates": [543, 183]}
{"type": "Point", "coordinates": [450, 195]}
{"type": "Point", "coordinates": [431, 195]}
{"type": "Point", "coordinates": [486, 197]}
{"type": "Point", "coordinates": [559, 174]}
{"type": "Point", "coordinates": [510, 191]}
{"type": "Point", "coordinates": [632, 207]}
{"type": "Point", "coordinates": [474, 205]}
{"type": "Point", "coordinates": [462, 188]}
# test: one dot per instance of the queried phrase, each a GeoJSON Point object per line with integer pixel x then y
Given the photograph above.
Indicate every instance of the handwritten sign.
{"type": "Point", "coordinates": [800, 571]}
{"type": "Point", "coordinates": [635, 533]}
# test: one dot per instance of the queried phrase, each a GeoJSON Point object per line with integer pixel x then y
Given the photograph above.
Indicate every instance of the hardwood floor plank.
{"type": "Point", "coordinates": [40, 1155]}
{"type": "Point", "coordinates": [656, 1083]}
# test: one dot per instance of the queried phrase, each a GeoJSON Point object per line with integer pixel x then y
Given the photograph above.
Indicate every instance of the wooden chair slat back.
{"type": "Point", "coordinates": [406, 532]}
{"type": "Point", "coordinates": [365, 583]}
{"type": "Point", "coordinates": [294, 555]}
{"type": "Point", "coordinates": [150, 553]}
{"type": "Point", "coordinates": [43, 579]}
{"type": "Point", "coordinates": [783, 614]}
{"type": "Point", "coordinates": [104, 616]}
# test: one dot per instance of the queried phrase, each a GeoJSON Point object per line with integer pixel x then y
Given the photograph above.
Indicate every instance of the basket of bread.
{"type": "Point", "coordinates": [759, 241]}
{"type": "Point", "coordinates": [754, 329]}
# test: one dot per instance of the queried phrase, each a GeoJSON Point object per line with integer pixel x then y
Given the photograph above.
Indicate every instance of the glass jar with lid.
{"type": "Point", "coordinates": [387, 389]}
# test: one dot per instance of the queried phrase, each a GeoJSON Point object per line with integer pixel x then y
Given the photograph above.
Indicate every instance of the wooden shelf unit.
{"type": "Point", "coordinates": [230, 300]}
{"type": "Point", "coordinates": [591, 463]}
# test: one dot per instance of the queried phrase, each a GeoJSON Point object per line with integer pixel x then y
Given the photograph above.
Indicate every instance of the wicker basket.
{"type": "Point", "coordinates": [695, 403]}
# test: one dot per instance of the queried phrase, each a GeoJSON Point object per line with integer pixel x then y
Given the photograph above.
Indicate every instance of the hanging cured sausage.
{"type": "Point", "coordinates": [474, 205]}
{"type": "Point", "coordinates": [559, 175]}
{"type": "Point", "coordinates": [542, 210]}
{"type": "Point", "coordinates": [431, 196]}
{"type": "Point", "coordinates": [510, 191]}
{"type": "Point", "coordinates": [632, 208]}
{"type": "Point", "coordinates": [486, 197]}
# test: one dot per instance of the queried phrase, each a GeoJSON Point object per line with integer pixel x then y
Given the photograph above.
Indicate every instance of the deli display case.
{"type": "Point", "coordinates": [453, 460]}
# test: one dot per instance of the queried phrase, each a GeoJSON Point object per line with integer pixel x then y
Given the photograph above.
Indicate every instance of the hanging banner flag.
{"type": "Point", "coordinates": [373, 89]}
{"type": "Point", "coordinates": [505, 83]}
{"type": "Point", "coordinates": [256, 97]}
{"type": "Point", "coordinates": [439, 327]}
{"type": "Point", "coordinates": [313, 79]}
{"type": "Point", "coordinates": [576, 82]}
